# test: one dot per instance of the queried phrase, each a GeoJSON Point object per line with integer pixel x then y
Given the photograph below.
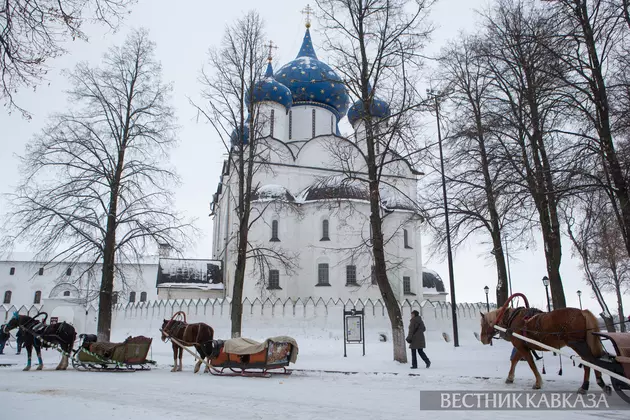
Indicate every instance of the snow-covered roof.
{"type": "Point", "coordinates": [335, 187]}
{"type": "Point", "coordinates": [432, 280]}
{"type": "Point", "coordinates": [272, 192]}
{"type": "Point", "coordinates": [392, 198]}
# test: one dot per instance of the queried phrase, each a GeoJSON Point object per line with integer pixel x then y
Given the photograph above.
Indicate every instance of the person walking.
{"type": "Point", "coordinates": [416, 340]}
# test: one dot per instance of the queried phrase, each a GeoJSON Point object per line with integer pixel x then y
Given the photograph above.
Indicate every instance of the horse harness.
{"type": "Point", "coordinates": [529, 313]}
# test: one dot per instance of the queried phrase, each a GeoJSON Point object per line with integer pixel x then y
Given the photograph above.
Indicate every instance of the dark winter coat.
{"type": "Point", "coordinates": [415, 338]}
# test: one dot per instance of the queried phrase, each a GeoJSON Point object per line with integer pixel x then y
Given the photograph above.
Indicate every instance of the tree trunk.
{"type": "Point", "coordinates": [105, 306]}
{"type": "Point", "coordinates": [600, 95]}
{"type": "Point", "coordinates": [502, 279]}
{"type": "Point", "coordinates": [622, 324]}
{"type": "Point", "coordinates": [239, 282]}
{"type": "Point", "coordinates": [380, 267]}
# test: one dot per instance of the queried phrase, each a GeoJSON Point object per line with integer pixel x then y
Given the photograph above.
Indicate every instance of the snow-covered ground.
{"type": "Point", "coordinates": [377, 388]}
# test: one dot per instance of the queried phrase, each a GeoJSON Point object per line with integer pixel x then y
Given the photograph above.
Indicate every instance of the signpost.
{"type": "Point", "coordinates": [353, 328]}
{"type": "Point", "coordinates": [54, 320]}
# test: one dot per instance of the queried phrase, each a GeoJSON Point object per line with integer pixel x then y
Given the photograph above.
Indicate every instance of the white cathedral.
{"type": "Point", "coordinates": [307, 207]}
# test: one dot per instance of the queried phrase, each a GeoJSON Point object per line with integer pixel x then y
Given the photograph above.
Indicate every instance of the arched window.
{"type": "Point", "coordinates": [114, 298]}
{"type": "Point", "coordinates": [68, 271]}
{"type": "Point", "coordinates": [66, 293]}
{"type": "Point", "coordinates": [274, 231]}
{"type": "Point", "coordinates": [322, 275]}
{"type": "Point", "coordinates": [38, 297]}
{"type": "Point", "coordinates": [7, 297]}
{"type": "Point", "coordinates": [325, 230]}
{"type": "Point", "coordinates": [132, 297]}
{"type": "Point", "coordinates": [406, 238]}
{"type": "Point", "coordinates": [143, 297]}
{"type": "Point", "coordinates": [41, 271]}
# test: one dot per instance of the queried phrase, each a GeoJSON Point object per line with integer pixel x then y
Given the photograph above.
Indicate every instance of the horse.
{"type": "Point", "coordinates": [197, 335]}
{"type": "Point", "coordinates": [61, 334]}
{"type": "Point", "coordinates": [559, 328]}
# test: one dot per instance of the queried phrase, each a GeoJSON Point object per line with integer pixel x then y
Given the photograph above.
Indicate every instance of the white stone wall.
{"type": "Point", "coordinates": [309, 317]}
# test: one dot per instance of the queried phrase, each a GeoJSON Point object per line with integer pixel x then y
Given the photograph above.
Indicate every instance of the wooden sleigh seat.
{"type": "Point", "coordinates": [621, 344]}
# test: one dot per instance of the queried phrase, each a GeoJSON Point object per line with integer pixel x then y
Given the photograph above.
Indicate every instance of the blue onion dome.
{"type": "Point", "coordinates": [314, 82]}
{"type": "Point", "coordinates": [244, 137]}
{"type": "Point", "coordinates": [270, 90]}
{"type": "Point", "coordinates": [378, 109]}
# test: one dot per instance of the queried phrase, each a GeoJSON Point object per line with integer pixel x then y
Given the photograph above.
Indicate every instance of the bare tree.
{"type": "Point", "coordinates": [237, 116]}
{"type": "Point", "coordinates": [528, 115]}
{"type": "Point", "coordinates": [596, 33]}
{"type": "Point", "coordinates": [581, 217]}
{"type": "Point", "coordinates": [95, 180]}
{"type": "Point", "coordinates": [32, 32]}
{"type": "Point", "coordinates": [375, 45]}
{"type": "Point", "coordinates": [479, 181]}
{"type": "Point", "coordinates": [609, 259]}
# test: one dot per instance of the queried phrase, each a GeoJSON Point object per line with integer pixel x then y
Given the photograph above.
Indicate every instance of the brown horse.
{"type": "Point", "coordinates": [197, 335]}
{"type": "Point", "coordinates": [559, 328]}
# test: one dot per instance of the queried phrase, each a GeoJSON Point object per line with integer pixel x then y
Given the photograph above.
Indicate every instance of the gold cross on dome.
{"type": "Point", "coordinates": [308, 11]}
{"type": "Point", "coordinates": [271, 47]}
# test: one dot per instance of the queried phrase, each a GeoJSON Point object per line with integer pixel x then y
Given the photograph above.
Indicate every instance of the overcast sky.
{"type": "Point", "coordinates": [183, 32]}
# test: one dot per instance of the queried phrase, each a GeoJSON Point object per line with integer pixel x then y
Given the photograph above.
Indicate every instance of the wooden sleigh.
{"type": "Point", "coordinates": [246, 357]}
{"type": "Point", "coordinates": [128, 356]}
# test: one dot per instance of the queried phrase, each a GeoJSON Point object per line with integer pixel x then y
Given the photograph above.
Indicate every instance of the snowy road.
{"type": "Point", "coordinates": [161, 394]}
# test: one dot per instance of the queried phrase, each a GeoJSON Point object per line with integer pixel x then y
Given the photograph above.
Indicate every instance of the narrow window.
{"type": "Point", "coordinates": [143, 297]}
{"type": "Point", "coordinates": [351, 275]}
{"type": "Point", "coordinates": [11, 271]}
{"type": "Point", "coordinates": [332, 124]}
{"type": "Point", "coordinates": [290, 125]}
{"type": "Point", "coordinates": [272, 121]}
{"type": "Point", "coordinates": [68, 271]}
{"type": "Point", "coordinates": [322, 275]}
{"type": "Point", "coordinates": [373, 275]}
{"type": "Point", "coordinates": [66, 293]}
{"type": "Point", "coordinates": [132, 297]}
{"type": "Point", "coordinates": [274, 231]}
{"type": "Point", "coordinates": [407, 285]}
{"type": "Point", "coordinates": [7, 297]}
{"type": "Point", "coordinates": [274, 279]}
{"type": "Point", "coordinates": [41, 271]}
{"type": "Point", "coordinates": [406, 237]}
{"type": "Point", "coordinates": [325, 236]}
{"type": "Point", "coordinates": [313, 113]}
{"type": "Point", "coordinates": [38, 297]}
{"type": "Point", "coordinates": [114, 298]}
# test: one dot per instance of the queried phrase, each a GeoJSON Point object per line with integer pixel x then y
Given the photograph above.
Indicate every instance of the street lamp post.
{"type": "Point", "coordinates": [579, 293]}
{"type": "Point", "coordinates": [507, 259]}
{"type": "Point", "coordinates": [430, 94]}
{"type": "Point", "coordinates": [546, 283]}
{"type": "Point", "coordinates": [487, 290]}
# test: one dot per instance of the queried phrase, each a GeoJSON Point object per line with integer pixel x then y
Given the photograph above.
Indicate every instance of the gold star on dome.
{"type": "Point", "coordinates": [275, 88]}
{"type": "Point", "coordinates": [321, 91]}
